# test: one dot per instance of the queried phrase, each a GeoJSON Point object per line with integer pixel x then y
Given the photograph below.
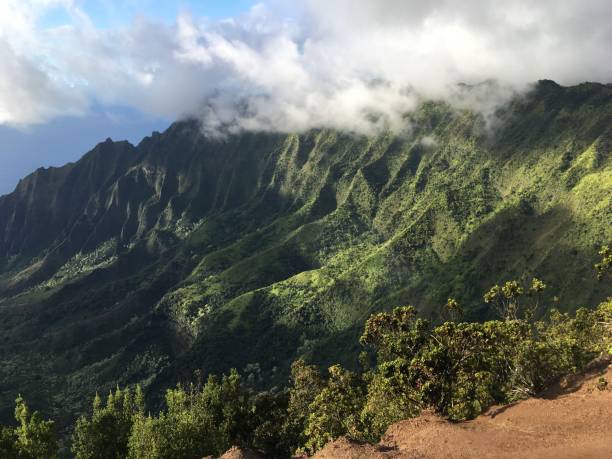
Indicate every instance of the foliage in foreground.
{"type": "Point", "coordinates": [456, 368]}
{"type": "Point", "coordinates": [33, 438]}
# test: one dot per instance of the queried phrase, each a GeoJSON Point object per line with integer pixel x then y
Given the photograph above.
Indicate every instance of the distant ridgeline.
{"type": "Point", "coordinates": [140, 264]}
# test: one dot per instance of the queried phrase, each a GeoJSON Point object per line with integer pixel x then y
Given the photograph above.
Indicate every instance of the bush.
{"type": "Point", "coordinates": [604, 324]}
{"type": "Point", "coordinates": [105, 434]}
{"type": "Point", "coordinates": [335, 410]}
{"type": "Point", "coordinates": [390, 398]}
{"type": "Point", "coordinates": [196, 422]}
{"type": "Point", "coordinates": [33, 438]}
{"type": "Point", "coordinates": [8, 440]}
{"type": "Point", "coordinates": [456, 369]}
{"type": "Point", "coordinates": [267, 428]}
{"type": "Point", "coordinates": [463, 368]}
{"type": "Point", "coordinates": [459, 369]}
{"type": "Point", "coordinates": [305, 384]}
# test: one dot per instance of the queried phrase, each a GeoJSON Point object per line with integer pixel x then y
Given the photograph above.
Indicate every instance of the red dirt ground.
{"type": "Point", "coordinates": [571, 420]}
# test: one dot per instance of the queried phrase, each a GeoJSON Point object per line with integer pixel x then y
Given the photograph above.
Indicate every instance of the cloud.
{"type": "Point", "coordinates": [28, 95]}
{"type": "Point", "coordinates": [356, 66]}
{"type": "Point", "coordinates": [28, 92]}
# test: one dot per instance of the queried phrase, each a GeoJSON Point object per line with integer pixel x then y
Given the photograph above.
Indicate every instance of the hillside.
{"type": "Point", "coordinates": [568, 421]}
{"type": "Point", "coordinates": [139, 264]}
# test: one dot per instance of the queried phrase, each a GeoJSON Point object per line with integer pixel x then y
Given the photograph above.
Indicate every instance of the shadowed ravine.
{"type": "Point", "coordinates": [139, 264]}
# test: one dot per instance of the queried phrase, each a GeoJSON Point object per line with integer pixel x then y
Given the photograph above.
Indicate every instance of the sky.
{"type": "Point", "coordinates": [74, 72]}
{"type": "Point", "coordinates": [56, 139]}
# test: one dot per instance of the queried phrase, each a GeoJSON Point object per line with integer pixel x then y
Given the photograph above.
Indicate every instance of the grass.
{"type": "Point", "coordinates": [263, 247]}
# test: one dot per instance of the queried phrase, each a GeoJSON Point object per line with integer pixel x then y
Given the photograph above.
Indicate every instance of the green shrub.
{"type": "Point", "coordinates": [604, 325]}
{"type": "Point", "coordinates": [305, 384]}
{"type": "Point", "coordinates": [105, 434]}
{"type": "Point", "coordinates": [196, 422]}
{"type": "Point", "coordinates": [8, 446]}
{"type": "Point", "coordinates": [463, 368]}
{"type": "Point", "coordinates": [457, 369]}
{"type": "Point", "coordinates": [335, 410]}
{"type": "Point", "coordinates": [34, 438]}
{"type": "Point", "coordinates": [267, 428]}
{"type": "Point", "coordinates": [390, 398]}
{"type": "Point", "coordinates": [394, 334]}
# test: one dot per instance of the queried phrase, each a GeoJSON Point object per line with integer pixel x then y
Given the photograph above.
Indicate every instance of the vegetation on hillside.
{"type": "Point", "coordinates": [456, 368]}
{"type": "Point", "coordinates": [140, 264]}
{"type": "Point", "coordinates": [32, 438]}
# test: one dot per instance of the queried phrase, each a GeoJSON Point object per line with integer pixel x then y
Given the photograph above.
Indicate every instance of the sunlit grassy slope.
{"type": "Point", "coordinates": [141, 264]}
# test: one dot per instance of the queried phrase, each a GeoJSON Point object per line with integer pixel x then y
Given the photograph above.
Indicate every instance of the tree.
{"type": "Point", "coordinates": [604, 322]}
{"type": "Point", "coordinates": [395, 337]}
{"type": "Point", "coordinates": [605, 265]}
{"type": "Point", "coordinates": [105, 434]}
{"type": "Point", "coordinates": [394, 334]}
{"type": "Point", "coordinates": [305, 384]}
{"type": "Point", "coordinates": [335, 410]}
{"type": "Point", "coordinates": [390, 398]}
{"type": "Point", "coordinates": [458, 370]}
{"type": "Point", "coordinates": [267, 427]}
{"type": "Point", "coordinates": [452, 310]}
{"type": "Point", "coordinates": [35, 437]}
{"type": "Point", "coordinates": [197, 422]}
{"type": "Point", "coordinates": [509, 300]}
{"type": "Point", "coordinates": [8, 446]}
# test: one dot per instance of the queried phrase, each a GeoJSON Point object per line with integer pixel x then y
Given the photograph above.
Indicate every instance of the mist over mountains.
{"type": "Point", "coordinates": [139, 264]}
{"type": "Point", "coordinates": [277, 67]}
{"type": "Point", "coordinates": [289, 68]}
{"type": "Point", "coordinates": [327, 161]}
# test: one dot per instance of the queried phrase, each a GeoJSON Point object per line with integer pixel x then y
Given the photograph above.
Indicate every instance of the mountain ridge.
{"type": "Point", "coordinates": [139, 264]}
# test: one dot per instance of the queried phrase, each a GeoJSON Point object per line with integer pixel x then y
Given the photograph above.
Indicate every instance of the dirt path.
{"type": "Point", "coordinates": [571, 420]}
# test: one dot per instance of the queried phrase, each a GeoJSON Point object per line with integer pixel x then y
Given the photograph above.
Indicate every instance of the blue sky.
{"type": "Point", "coordinates": [74, 72]}
{"type": "Point", "coordinates": [110, 13]}
{"type": "Point", "coordinates": [66, 138]}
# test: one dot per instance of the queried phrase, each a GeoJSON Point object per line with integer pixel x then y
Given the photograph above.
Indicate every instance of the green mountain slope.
{"type": "Point", "coordinates": [141, 264]}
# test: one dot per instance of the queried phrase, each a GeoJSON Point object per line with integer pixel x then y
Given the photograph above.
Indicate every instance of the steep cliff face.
{"type": "Point", "coordinates": [47, 205]}
{"type": "Point", "coordinates": [142, 263]}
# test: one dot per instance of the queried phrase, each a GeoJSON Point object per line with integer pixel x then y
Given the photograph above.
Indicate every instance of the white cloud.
{"type": "Point", "coordinates": [338, 63]}
{"type": "Point", "coordinates": [29, 95]}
